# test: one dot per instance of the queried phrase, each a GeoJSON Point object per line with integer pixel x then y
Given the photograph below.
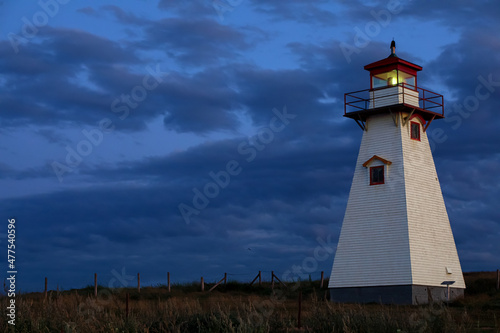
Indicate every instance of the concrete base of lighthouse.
{"type": "Point", "coordinates": [406, 294]}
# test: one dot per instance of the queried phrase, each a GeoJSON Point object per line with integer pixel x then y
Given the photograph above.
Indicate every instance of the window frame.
{"type": "Point", "coordinates": [372, 182]}
{"type": "Point", "coordinates": [411, 130]}
{"type": "Point", "coordinates": [401, 76]}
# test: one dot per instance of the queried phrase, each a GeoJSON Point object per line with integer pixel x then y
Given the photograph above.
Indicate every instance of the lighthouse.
{"type": "Point", "coordinates": [396, 245]}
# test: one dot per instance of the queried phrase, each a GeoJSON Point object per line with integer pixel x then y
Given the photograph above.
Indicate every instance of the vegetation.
{"type": "Point", "coordinates": [238, 307]}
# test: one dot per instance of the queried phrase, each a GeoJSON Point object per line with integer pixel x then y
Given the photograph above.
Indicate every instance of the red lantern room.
{"type": "Point", "coordinates": [393, 88]}
{"type": "Point", "coordinates": [393, 71]}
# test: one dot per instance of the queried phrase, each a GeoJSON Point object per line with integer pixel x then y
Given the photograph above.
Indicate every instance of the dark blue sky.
{"type": "Point", "coordinates": [114, 119]}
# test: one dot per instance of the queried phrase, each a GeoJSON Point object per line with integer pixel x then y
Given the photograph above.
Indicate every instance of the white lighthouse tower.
{"type": "Point", "coordinates": [396, 244]}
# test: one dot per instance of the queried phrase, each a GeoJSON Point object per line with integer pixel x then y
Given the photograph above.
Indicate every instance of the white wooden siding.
{"type": "Point", "coordinates": [373, 248]}
{"type": "Point", "coordinates": [432, 246]}
{"type": "Point", "coordinates": [397, 233]}
{"type": "Point", "coordinates": [393, 95]}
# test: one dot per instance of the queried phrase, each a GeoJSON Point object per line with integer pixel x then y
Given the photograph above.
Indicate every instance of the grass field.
{"type": "Point", "coordinates": [238, 307]}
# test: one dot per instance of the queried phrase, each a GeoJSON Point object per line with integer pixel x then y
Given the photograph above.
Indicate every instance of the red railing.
{"type": "Point", "coordinates": [360, 100]}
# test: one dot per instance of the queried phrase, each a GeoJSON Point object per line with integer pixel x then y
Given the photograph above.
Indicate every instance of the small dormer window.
{"type": "Point", "coordinates": [415, 130]}
{"type": "Point", "coordinates": [377, 175]}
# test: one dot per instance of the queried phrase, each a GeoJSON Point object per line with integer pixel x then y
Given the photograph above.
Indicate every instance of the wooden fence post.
{"type": "Point", "coordinates": [498, 279]}
{"type": "Point", "coordinates": [277, 279]}
{"type": "Point", "coordinates": [221, 280]}
{"type": "Point", "coordinates": [300, 309]}
{"type": "Point", "coordinates": [126, 306]}
{"type": "Point", "coordinates": [272, 279]}
{"type": "Point", "coordinates": [260, 279]}
{"type": "Point", "coordinates": [45, 290]}
{"type": "Point", "coordinates": [168, 281]}
{"type": "Point", "coordinates": [256, 277]}
{"type": "Point", "coordinates": [322, 276]}
{"type": "Point", "coordinates": [138, 282]}
{"type": "Point", "coordinates": [202, 284]}
{"type": "Point", "coordinates": [95, 284]}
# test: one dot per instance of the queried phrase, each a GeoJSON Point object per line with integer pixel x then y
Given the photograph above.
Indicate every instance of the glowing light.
{"type": "Point", "coordinates": [394, 81]}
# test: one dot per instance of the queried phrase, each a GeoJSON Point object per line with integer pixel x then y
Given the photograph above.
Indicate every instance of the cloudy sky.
{"type": "Point", "coordinates": [203, 137]}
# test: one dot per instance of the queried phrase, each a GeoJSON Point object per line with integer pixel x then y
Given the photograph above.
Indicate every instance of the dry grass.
{"type": "Point", "coordinates": [239, 308]}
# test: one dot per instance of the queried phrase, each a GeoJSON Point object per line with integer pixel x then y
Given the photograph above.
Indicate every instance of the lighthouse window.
{"type": "Point", "coordinates": [385, 79]}
{"type": "Point", "coordinates": [407, 79]}
{"type": "Point", "coordinates": [377, 175]}
{"type": "Point", "coordinates": [415, 131]}
{"type": "Point", "coordinates": [392, 78]}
